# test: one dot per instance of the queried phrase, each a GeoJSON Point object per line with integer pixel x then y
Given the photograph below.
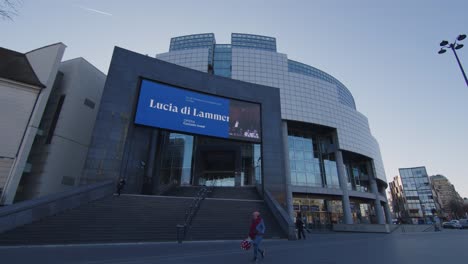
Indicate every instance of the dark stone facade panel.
{"type": "Point", "coordinates": [118, 146]}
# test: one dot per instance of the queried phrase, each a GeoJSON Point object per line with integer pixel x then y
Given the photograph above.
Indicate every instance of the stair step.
{"type": "Point", "coordinates": [148, 218]}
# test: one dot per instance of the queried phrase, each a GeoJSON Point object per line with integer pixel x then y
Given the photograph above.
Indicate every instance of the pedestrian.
{"type": "Point", "coordinates": [436, 223]}
{"type": "Point", "coordinates": [120, 186]}
{"type": "Point", "coordinates": [256, 232]}
{"type": "Point", "coordinates": [300, 226]}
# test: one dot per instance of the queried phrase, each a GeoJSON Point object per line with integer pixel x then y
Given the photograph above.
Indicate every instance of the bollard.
{"type": "Point", "coordinates": [180, 233]}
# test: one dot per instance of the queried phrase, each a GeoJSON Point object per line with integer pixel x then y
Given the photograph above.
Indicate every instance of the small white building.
{"type": "Point", "coordinates": [47, 115]}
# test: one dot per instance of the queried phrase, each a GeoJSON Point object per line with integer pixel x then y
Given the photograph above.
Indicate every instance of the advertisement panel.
{"type": "Point", "coordinates": [165, 106]}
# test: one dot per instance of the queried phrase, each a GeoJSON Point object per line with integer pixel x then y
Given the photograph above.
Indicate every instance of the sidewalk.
{"type": "Point", "coordinates": [319, 248]}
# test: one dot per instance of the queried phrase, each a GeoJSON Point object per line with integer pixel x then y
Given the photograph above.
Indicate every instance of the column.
{"type": "Point", "coordinates": [348, 218]}
{"type": "Point", "coordinates": [375, 190]}
{"type": "Point", "coordinates": [388, 214]}
{"type": "Point", "coordinates": [151, 157]}
{"type": "Point", "coordinates": [289, 199]}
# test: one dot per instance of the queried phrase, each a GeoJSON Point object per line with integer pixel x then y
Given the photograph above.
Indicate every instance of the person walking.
{"type": "Point", "coordinates": [300, 227]}
{"type": "Point", "coordinates": [120, 186]}
{"type": "Point", "coordinates": [256, 232]}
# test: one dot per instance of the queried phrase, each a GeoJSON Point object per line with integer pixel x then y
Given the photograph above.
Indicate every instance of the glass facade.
{"type": "Point", "coordinates": [192, 41]}
{"type": "Point", "coordinates": [310, 163]}
{"type": "Point", "coordinates": [316, 106]}
{"type": "Point", "coordinates": [206, 40]}
{"type": "Point", "coordinates": [363, 212]}
{"type": "Point", "coordinates": [253, 42]}
{"type": "Point", "coordinates": [418, 195]}
{"type": "Point", "coordinates": [307, 94]}
{"type": "Point", "coordinates": [344, 95]}
{"type": "Point", "coordinates": [222, 60]}
{"type": "Point", "coordinates": [318, 213]}
{"type": "Point", "coordinates": [358, 177]}
{"type": "Point", "coordinates": [176, 162]}
{"type": "Point", "coordinates": [187, 160]}
{"type": "Point", "coordinates": [258, 163]}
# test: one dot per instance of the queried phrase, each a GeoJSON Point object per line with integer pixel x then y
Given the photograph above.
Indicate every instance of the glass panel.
{"type": "Point", "coordinates": [293, 178]}
{"type": "Point", "coordinates": [258, 164]}
{"type": "Point", "coordinates": [176, 158]}
{"type": "Point", "coordinates": [300, 165]}
{"type": "Point", "coordinates": [308, 144]}
{"type": "Point", "coordinates": [301, 178]}
{"type": "Point", "coordinates": [299, 155]}
{"type": "Point", "coordinates": [331, 173]}
{"type": "Point", "coordinates": [298, 143]}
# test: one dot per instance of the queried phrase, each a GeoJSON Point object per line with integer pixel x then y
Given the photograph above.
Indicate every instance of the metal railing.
{"type": "Point", "coordinates": [192, 210]}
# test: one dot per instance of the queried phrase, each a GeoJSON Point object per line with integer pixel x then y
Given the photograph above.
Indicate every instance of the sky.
{"type": "Point", "coordinates": [385, 52]}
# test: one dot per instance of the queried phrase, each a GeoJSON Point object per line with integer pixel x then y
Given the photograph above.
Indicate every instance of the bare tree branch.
{"type": "Point", "coordinates": [9, 9]}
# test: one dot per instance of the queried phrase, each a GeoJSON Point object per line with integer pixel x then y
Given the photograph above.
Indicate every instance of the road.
{"type": "Point", "coordinates": [449, 246]}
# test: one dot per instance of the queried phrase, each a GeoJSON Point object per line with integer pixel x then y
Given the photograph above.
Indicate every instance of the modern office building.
{"type": "Point", "coordinates": [445, 195]}
{"type": "Point", "coordinates": [412, 196]}
{"type": "Point", "coordinates": [45, 142]}
{"type": "Point", "coordinates": [247, 116]}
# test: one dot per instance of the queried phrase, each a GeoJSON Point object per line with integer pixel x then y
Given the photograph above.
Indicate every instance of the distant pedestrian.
{"type": "Point", "coordinates": [300, 226]}
{"type": "Point", "coordinates": [436, 223]}
{"type": "Point", "coordinates": [120, 186]}
{"type": "Point", "coordinates": [256, 232]}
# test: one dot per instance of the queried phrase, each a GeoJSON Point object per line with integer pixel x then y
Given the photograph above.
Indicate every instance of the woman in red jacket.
{"type": "Point", "coordinates": [257, 230]}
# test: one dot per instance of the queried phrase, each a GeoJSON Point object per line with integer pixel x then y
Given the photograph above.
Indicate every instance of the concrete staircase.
{"type": "Point", "coordinates": [220, 219]}
{"type": "Point", "coordinates": [226, 213]}
{"type": "Point", "coordinates": [137, 218]}
{"type": "Point", "coordinates": [113, 219]}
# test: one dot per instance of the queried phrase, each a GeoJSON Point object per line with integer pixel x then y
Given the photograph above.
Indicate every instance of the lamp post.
{"type": "Point", "coordinates": [454, 46]}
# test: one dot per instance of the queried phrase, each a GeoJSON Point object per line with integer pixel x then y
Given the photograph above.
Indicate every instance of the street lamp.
{"type": "Point", "coordinates": [454, 46]}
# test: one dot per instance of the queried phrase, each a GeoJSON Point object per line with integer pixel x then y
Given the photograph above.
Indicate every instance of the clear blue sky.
{"type": "Point", "coordinates": [385, 53]}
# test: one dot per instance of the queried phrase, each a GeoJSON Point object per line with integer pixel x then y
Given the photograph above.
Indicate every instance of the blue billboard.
{"type": "Point", "coordinates": [165, 106]}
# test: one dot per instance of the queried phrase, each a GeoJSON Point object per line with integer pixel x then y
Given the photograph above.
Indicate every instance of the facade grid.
{"type": "Point", "coordinates": [309, 96]}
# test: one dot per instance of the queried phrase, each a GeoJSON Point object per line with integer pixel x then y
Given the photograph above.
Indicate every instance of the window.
{"type": "Point", "coordinates": [55, 119]}
{"type": "Point", "coordinates": [69, 181]}
{"type": "Point", "coordinates": [89, 103]}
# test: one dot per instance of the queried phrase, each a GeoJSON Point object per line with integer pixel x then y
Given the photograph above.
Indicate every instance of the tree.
{"type": "Point", "coordinates": [8, 9]}
{"type": "Point", "coordinates": [456, 208]}
{"type": "Point", "coordinates": [465, 206]}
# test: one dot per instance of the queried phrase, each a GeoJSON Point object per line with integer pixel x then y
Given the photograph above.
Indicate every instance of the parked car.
{"type": "Point", "coordinates": [454, 224]}
{"type": "Point", "coordinates": [464, 223]}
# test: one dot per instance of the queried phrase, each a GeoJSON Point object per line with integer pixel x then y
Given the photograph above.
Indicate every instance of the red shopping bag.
{"type": "Point", "coordinates": [246, 244]}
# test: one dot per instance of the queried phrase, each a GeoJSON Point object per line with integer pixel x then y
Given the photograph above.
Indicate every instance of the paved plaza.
{"type": "Point", "coordinates": [449, 246]}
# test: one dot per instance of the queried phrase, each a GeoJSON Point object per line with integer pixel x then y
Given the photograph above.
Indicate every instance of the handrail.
{"type": "Point", "coordinates": [27, 212]}
{"type": "Point", "coordinates": [190, 213]}
{"type": "Point", "coordinates": [280, 214]}
{"type": "Point", "coordinates": [52, 198]}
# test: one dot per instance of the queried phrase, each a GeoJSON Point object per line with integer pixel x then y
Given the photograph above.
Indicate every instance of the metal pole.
{"type": "Point", "coordinates": [452, 46]}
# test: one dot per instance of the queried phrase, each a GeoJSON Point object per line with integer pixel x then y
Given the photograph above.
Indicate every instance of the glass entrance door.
{"type": "Point", "coordinates": [218, 179]}
{"type": "Point", "coordinates": [215, 166]}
